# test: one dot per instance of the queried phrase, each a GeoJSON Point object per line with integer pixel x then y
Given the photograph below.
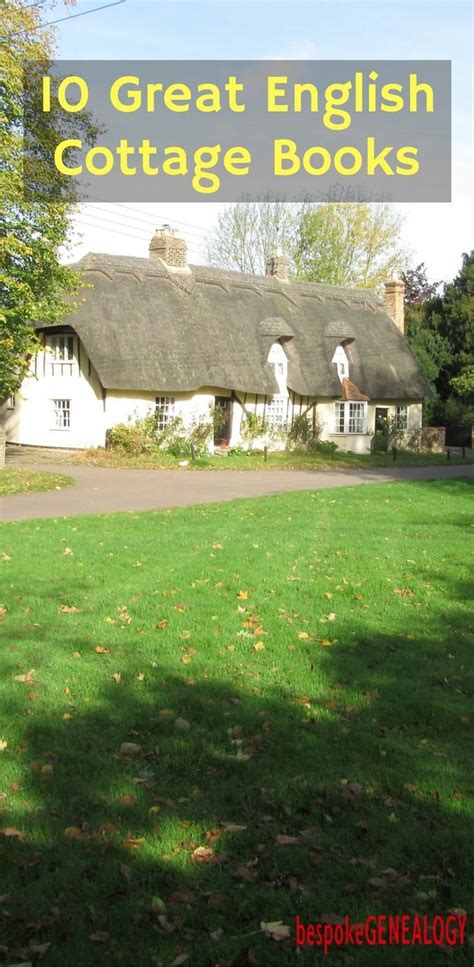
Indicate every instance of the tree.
{"type": "Point", "coordinates": [417, 287]}
{"type": "Point", "coordinates": [441, 333]}
{"type": "Point", "coordinates": [247, 233]}
{"type": "Point", "coordinates": [463, 385]}
{"type": "Point", "coordinates": [34, 286]}
{"type": "Point", "coordinates": [350, 244]}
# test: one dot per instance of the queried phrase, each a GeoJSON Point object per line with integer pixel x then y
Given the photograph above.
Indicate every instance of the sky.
{"type": "Point", "coordinates": [434, 233]}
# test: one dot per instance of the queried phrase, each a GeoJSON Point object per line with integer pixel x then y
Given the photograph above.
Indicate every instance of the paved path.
{"type": "Point", "coordinates": [100, 490]}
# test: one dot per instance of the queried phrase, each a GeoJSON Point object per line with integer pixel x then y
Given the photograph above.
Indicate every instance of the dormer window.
{"type": "Point", "coordinates": [341, 363]}
{"type": "Point", "coordinates": [279, 363]}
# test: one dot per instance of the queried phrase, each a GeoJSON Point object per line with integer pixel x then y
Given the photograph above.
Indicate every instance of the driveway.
{"type": "Point", "coordinates": [101, 490]}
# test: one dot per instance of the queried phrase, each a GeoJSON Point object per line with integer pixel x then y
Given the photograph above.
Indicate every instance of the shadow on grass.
{"type": "Point", "coordinates": [367, 776]}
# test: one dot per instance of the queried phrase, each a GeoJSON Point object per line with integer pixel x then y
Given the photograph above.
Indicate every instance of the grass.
{"type": "Point", "coordinates": [298, 665]}
{"type": "Point", "coordinates": [285, 460]}
{"type": "Point", "coordinates": [20, 481]}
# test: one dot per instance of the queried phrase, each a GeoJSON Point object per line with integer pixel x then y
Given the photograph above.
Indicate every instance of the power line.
{"type": "Point", "coordinates": [84, 13]}
{"type": "Point", "coordinates": [71, 16]}
{"type": "Point", "coordinates": [146, 219]}
{"type": "Point", "coordinates": [138, 233]}
{"type": "Point", "coordinates": [138, 236]}
{"type": "Point", "coordinates": [158, 215]}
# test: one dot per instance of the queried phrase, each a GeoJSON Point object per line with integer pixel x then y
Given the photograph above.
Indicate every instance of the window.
{"type": "Point", "coordinates": [279, 363]}
{"type": "Point", "coordinates": [61, 414]}
{"type": "Point", "coordinates": [401, 416]}
{"type": "Point", "coordinates": [164, 412]}
{"type": "Point", "coordinates": [11, 403]}
{"type": "Point", "coordinates": [341, 363]}
{"type": "Point", "coordinates": [339, 417]}
{"type": "Point", "coordinates": [356, 417]}
{"type": "Point", "coordinates": [275, 412]}
{"type": "Point", "coordinates": [350, 417]}
{"type": "Point", "coordinates": [61, 354]}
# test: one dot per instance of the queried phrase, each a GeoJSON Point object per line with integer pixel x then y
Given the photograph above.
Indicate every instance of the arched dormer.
{"type": "Point", "coordinates": [278, 361]}
{"type": "Point", "coordinates": [341, 362]}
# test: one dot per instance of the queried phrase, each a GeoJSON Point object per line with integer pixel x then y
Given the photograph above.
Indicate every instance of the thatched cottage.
{"type": "Point", "coordinates": [160, 333]}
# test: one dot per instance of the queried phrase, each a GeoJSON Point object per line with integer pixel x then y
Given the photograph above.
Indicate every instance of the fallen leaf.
{"type": "Point", "coordinates": [259, 646]}
{"type": "Point", "coordinates": [204, 854]}
{"type": "Point", "coordinates": [276, 930]}
{"type": "Point", "coordinates": [182, 725]}
{"type": "Point", "coordinates": [303, 635]}
{"type": "Point", "coordinates": [329, 617]}
{"type": "Point", "coordinates": [130, 748]}
{"type": "Point", "coordinates": [100, 936]}
{"type": "Point", "coordinates": [69, 609]}
{"type": "Point", "coordinates": [127, 800]}
{"type": "Point", "coordinates": [233, 827]}
{"type": "Point", "coordinates": [73, 832]}
{"type": "Point", "coordinates": [102, 650]}
{"type": "Point", "coordinates": [403, 592]}
{"type": "Point", "coordinates": [158, 905]}
{"type": "Point", "coordinates": [162, 624]}
{"type": "Point", "coordinates": [243, 595]}
{"type": "Point", "coordinates": [134, 843]}
{"type": "Point", "coordinates": [25, 679]}
{"type": "Point", "coordinates": [117, 677]}
{"type": "Point", "coordinates": [38, 950]}
{"type": "Point", "coordinates": [283, 840]}
{"type": "Point", "coordinates": [10, 833]}
{"type": "Point", "coordinates": [180, 959]}
{"type": "Point", "coordinates": [68, 552]}
{"type": "Point", "coordinates": [3, 612]}
{"type": "Point", "coordinates": [3, 745]}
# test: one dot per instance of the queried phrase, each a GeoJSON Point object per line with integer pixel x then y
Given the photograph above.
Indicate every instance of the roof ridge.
{"type": "Point", "coordinates": [303, 286]}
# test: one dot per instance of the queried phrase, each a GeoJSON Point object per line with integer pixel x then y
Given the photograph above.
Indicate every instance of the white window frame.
{"type": "Point", "coordinates": [164, 410]}
{"type": "Point", "coordinates": [275, 412]}
{"type": "Point", "coordinates": [61, 351]}
{"type": "Point", "coordinates": [401, 416]}
{"type": "Point", "coordinates": [11, 405]}
{"type": "Point", "coordinates": [350, 418]}
{"type": "Point", "coordinates": [61, 414]}
{"type": "Point", "coordinates": [341, 362]}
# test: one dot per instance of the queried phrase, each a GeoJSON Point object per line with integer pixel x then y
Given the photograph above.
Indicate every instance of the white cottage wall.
{"type": "Point", "coordinates": [32, 422]}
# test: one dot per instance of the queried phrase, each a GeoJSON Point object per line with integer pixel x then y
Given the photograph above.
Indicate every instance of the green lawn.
{"type": "Point", "coordinates": [283, 460]}
{"type": "Point", "coordinates": [20, 481]}
{"type": "Point", "coordinates": [297, 666]}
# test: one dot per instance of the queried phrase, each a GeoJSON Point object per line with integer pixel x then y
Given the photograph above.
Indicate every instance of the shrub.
{"type": "Point", "coordinates": [326, 447]}
{"type": "Point", "coordinates": [134, 437]}
{"type": "Point", "coordinates": [379, 441]}
{"type": "Point", "coordinates": [253, 427]}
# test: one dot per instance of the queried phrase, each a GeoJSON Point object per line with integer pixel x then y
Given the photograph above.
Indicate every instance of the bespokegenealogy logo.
{"type": "Point", "coordinates": [383, 930]}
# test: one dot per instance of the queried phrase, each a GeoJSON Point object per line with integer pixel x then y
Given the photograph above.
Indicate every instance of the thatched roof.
{"type": "Point", "coordinates": [147, 328]}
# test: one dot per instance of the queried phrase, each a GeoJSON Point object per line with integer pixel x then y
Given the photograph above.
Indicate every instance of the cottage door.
{"type": "Point", "coordinates": [381, 417]}
{"type": "Point", "coordinates": [223, 422]}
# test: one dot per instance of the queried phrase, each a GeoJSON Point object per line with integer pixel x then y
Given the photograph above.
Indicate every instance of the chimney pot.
{"type": "Point", "coordinates": [394, 302]}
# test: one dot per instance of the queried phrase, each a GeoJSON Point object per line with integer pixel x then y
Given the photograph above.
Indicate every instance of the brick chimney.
{"type": "Point", "coordinates": [277, 265]}
{"type": "Point", "coordinates": [170, 248]}
{"type": "Point", "coordinates": [394, 305]}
